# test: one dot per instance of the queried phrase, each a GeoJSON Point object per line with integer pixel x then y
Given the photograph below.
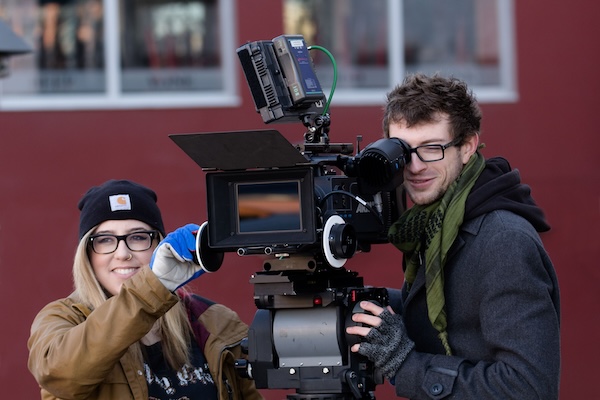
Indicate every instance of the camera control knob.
{"type": "Point", "coordinates": [339, 241]}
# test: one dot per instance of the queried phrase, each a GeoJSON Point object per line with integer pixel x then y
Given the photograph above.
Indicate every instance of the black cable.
{"type": "Point", "coordinates": [355, 198]}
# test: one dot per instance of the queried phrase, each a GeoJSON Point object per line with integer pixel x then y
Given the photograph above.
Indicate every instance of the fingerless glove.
{"type": "Point", "coordinates": [387, 345]}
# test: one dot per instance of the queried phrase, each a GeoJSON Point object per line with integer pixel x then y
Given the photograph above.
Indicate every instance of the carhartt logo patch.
{"type": "Point", "coordinates": [119, 202]}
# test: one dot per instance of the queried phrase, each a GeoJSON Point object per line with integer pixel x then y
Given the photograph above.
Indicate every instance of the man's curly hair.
{"type": "Point", "coordinates": [424, 99]}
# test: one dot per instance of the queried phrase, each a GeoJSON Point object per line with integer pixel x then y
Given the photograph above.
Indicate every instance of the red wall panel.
{"type": "Point", "coordinates": [49, 159]}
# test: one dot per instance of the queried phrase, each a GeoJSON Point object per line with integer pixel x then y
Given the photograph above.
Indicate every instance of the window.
{"type": "Point", "coordinates": [113, 54]}
{"type": "Point", "coordinates": [376, 43]}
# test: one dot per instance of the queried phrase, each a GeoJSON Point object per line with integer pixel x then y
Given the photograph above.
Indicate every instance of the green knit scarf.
{"type": "Point", "coordinates": [435, 226]}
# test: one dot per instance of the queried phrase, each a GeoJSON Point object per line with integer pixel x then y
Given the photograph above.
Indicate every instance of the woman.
{"type": "Point", "coordinates": [130, 331]}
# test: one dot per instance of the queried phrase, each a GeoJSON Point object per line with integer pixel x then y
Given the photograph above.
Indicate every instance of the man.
{"type": "Point", "coordinates": [478, 315]}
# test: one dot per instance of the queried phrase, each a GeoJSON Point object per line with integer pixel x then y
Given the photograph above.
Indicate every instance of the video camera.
{"type": "Point", "coordinates": [307, 209]}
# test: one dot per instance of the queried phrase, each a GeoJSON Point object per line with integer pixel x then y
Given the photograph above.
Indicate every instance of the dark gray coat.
{"type": "Point", "coordinates": [502, 303]}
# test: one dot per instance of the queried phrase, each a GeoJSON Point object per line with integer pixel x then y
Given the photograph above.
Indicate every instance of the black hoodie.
{"type": "Point", "coordinates": [499, 188]}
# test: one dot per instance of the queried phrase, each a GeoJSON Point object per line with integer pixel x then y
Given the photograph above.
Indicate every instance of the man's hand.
{"type": "Point", "coordinates": [173, 260]}
{"type": "Point", "coordinates": [385, 341]}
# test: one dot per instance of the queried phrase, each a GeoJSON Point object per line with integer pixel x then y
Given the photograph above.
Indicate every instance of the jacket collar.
{"type": "Point", "coordinates": [471, 227]}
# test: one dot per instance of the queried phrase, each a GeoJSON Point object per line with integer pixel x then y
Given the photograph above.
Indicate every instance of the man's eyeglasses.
{"type": "Point", "coordinates": [431, 152]}
{"type": "Point", "coordinates": [136, 241]}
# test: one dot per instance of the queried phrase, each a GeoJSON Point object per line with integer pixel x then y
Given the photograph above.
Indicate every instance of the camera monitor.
{"type": "Point", "coordinates": [262, 208]}
{"type": "Point", "coordinates": [259, 187]}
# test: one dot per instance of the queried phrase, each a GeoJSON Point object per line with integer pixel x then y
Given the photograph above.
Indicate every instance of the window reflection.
{"type": "Point", "coordinates": [169, 45]}
{"type": "Point", "coordinates": [459, 37]}
{"type": "Point", "coordinates": [68, 46]}
{"type": "Point", "coordinates": [70, 34]}
{"type": "Point", "coordinates": [164, 46]}
{"type": "Point", "coordinates": [355, 31]}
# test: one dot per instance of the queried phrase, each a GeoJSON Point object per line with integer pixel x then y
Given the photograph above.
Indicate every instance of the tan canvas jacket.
{"type": "Point", "coordinates": [70, 357]}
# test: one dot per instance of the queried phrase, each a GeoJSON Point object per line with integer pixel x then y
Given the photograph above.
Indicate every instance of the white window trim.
{"type": "Point", "coordinates": [113, 99]}
{"type": "Point", "coordinates": [229, 97]}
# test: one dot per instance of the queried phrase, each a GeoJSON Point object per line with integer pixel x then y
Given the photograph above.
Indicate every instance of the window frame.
{"type": "Point", "coordinates": [506, 92]}
{"type": "Point", "coordinates": [114, 98]}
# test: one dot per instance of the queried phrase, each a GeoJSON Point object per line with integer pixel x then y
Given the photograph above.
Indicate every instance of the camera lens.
{"type": "Point", "coordinates": [342, 240]}
{"type": "Point", "coordinates": [381, 164]}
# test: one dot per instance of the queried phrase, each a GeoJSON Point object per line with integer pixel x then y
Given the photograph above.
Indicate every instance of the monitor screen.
{"type": "Point", "coordinates": [269, 206]}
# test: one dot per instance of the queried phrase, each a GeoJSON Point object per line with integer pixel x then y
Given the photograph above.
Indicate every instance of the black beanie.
{"type": "Point", "coordinates": [119, 199]}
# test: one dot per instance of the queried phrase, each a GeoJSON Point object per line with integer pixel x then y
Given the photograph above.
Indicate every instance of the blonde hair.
{"type": "Point", "coordinates": [174, 326]}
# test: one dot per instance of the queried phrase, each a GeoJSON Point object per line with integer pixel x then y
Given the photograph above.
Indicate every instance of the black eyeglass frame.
{"type": "Point", "coordinates": [443, 147]}
{"type": "Point", "coordinates": [153, 234]}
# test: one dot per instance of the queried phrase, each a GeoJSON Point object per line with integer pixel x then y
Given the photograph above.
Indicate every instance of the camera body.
{"type": "Point", "coordinates": [285, 210]}
{"type": "Point", "coordinates": [306, 209]}
{"type": "Point", "coordinates": [297, 339]}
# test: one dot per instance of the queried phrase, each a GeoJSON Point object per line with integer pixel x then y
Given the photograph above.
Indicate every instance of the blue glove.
{"type": "Point", "coordinates": [174, 259]}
